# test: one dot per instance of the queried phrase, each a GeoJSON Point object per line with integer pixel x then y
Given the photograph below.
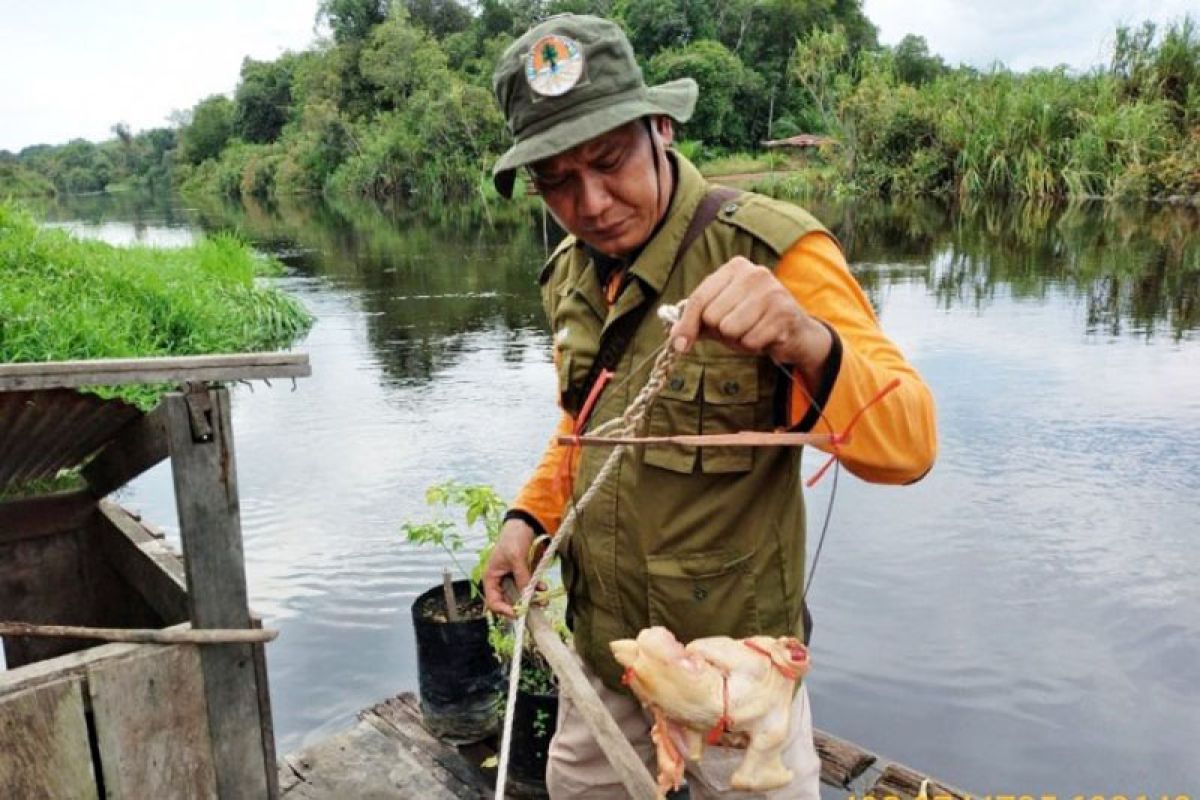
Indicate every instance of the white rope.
{"type": "Point", "coordinates": [627, 425]}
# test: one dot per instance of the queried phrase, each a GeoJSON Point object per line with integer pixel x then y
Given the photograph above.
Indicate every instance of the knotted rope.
{"type": "Point", "coordinates": [626, 425]}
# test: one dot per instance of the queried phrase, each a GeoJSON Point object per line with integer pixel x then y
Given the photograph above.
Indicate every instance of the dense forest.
{"type": "Point", "coordinates": [394, 101]}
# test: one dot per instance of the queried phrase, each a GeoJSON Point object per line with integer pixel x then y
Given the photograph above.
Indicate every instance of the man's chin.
{"type": "Point", "coordinates": [613, 246]}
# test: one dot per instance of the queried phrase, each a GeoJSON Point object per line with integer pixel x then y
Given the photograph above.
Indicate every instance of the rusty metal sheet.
{"type": "Point", "coordinates": [48, 430]}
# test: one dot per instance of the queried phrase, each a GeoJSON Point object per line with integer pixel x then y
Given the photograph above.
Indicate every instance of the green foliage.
{"type": "Point", "coordinates": [210, 129]}
{"type": "Point", "coordinates": [913, 63]}
{"type": "Point", "coordinates": [263, 101]}
{"type": "Point", "coordinates": [724, 81]}
{"type": "Point", "coordinates": [63, 298]}
{"type": "Point", "coordinates": [1123, 132]}
{"type": "Point", "coordinates": [352, 20]}
{"type": "Point", "coordinates": [483, 515]}
{"type": "Point", "coordinates": [17, 180]}
{"type": "Point", "coordinates": [439, 17]}
{"type": "Point", "coordinates": [397, 104]}
{"type": "Point", "coordinates": [399, 60]}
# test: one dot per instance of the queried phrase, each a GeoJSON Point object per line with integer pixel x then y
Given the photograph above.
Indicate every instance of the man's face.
{"type": "Point", "coordinates": [606, 190]}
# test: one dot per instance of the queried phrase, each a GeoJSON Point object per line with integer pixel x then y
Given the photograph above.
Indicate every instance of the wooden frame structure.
{"type": "Point", "coordinates": [128, 720]}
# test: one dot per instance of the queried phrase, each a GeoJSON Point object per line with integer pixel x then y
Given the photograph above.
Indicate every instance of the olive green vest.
{"type": "Point", "coordinates": [705, 541]}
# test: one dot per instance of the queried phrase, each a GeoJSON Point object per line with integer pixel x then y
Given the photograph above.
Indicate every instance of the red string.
{"type": "Point", "coordinates": [785, 671]}
{"type": "Point", "coordinates": [724, 721]}
{"type": "Point", "coordinates": [563, 478]}
{"type": "Point", "coordinates": [843, 437]}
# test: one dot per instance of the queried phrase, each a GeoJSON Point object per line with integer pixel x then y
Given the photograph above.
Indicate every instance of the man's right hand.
{"type": "Point", "coordinates": [509, 557]}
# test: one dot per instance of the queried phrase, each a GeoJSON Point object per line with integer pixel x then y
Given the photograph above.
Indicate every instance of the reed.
{"type": "Point", "coordinates": [65, 298]}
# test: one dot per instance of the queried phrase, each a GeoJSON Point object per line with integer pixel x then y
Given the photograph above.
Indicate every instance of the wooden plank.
{"type": "Point", "coordinates": [400, 717]}
{"type": "Point", "coordinates": [902, 782]}
{"type": "Point", "coordinates": [143, 560]}
{"type": "Point", "coordinates": [206, 496]}
{"type": "Point", "coordinates": [44, 580]}
{"type": "Point", "coordinates": [841, 761]}
{"type": "Point", "coordinates": [44, 516]}
{"type": "Point", "coordinates": [263, 686]}
{"type": "Point", "coordinates": [70, 665]}
{"type": "Point", "coordinates": [742, 439]}
{"type": "Point", "coordinates": [207, 636]}
{"type": "Point", "coordinates": [575, 685]}
{"type": "Point", "coordinates": [178, 369]}
{"type": "Point", "coordinates": [138, 446]}
{"type": "Point", "coordinates": [44, 751]}
{"type": "Point", "coordinates": [152, 726]}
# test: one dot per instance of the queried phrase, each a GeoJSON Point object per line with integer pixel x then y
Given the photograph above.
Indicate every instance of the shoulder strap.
{"type": "Point", "coordinates": [616, 339]}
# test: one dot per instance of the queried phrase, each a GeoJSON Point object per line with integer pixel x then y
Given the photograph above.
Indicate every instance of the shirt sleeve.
{"type": "Point", "coordinates": [544, 495]}
{"type": "Point", "coordinates": [895, 440]}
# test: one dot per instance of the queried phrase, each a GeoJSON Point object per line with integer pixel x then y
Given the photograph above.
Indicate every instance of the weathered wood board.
{"type": "Point", "coordinates": [174, 369]}
{"type": "Point", "coordinates": [152, 725]}
{"type": "Point", "coordinates": [900, 781]}
{"type": "Point", "coordinates": [44, 752]}
{"type": "Point", "coordinates": [841, 761]}
{"type": "Point", "coordinates": [44, 580]}
{"type": "Point", "coordinates": [206, 496]}
{"type": "Point", "coordinates": [143, 560]}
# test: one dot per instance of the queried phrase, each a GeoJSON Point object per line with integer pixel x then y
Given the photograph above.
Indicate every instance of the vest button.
{"type": "Point", "coordinates": [700, 592]}
{"type": "Point", "coordinates": [730, 208]}
{"type": "Point", "coordinates": [675, 384]}
{"type": "Point", "coordinates": [730, 387]}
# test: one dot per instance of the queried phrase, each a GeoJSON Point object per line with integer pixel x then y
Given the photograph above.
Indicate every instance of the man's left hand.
{"type": "Point", "coordinates": [745, 307]}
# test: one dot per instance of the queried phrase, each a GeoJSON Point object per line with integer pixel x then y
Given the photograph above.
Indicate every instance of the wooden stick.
{"type": "Point", "coordinates": [742, 439]}
{"type": "Point", "coordinates": [451, 600]}
{"type": "Point", "coordinates": [575, 685]}
{"type": "Point", "coordinates": [141, 635]}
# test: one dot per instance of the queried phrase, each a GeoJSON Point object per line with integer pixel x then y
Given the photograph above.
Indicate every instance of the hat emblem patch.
{"type": "Point", "coordinates": [554, 65]}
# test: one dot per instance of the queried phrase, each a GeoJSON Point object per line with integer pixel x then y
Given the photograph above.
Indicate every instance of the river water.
{"type": "Point", "coordinates": [1025, 620]}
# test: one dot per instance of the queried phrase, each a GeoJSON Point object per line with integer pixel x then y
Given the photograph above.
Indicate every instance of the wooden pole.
{"type": "Point", "coordinates": [140, 635]}
{"type": "Point", "coordinates": [742, 439]}
{"type": "Point", "coordinates": [200, 438]}
{"type": "Point", "coordinates": [575, 685]}
{"type": "Point", "coordinates": [451, 600]}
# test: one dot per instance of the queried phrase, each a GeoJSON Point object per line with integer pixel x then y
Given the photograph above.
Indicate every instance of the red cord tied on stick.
{"type": "Point", "coordinates": [843, 437]}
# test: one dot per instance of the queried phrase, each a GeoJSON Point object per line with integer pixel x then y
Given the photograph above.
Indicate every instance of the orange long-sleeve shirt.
{"type": "Point", "coordinates": [894, 442]}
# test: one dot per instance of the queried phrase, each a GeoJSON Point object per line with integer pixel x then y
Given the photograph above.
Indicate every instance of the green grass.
{"type": "Point", "coordinates": [17, 180]}
{"type": "Point", "coordinates": [64, 298]}
{"type": "Point", "coordinates": [736, 163]}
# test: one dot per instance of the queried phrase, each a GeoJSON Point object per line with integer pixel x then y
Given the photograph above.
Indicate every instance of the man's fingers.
{"type": "Point", "coordinates": [494, 595]}
{"type": "Point", "coordinates": [685, 332]}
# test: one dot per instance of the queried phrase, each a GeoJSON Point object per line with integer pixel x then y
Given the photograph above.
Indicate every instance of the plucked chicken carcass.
{"type": "Point", "coordinates": [734, 692]}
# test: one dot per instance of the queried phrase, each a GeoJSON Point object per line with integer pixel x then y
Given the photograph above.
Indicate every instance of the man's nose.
{"type": "Point", "coordinates": [594, 198]}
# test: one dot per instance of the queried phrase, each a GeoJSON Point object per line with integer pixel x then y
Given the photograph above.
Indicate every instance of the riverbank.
{"type": "Point", "coordinates": [63, 298]}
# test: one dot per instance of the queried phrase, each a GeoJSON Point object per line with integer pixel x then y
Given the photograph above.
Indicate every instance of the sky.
{"type": "Point", "coordinates": [74, 68]}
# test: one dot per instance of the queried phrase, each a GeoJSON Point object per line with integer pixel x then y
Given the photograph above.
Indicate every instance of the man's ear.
{"type": "Point", "coordinates": [665, 127]}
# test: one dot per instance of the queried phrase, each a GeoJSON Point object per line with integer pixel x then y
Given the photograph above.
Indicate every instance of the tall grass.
{"type": "Point", "coordinates": [1130, 130]}
{"type": "Point", "coordinates": [65, 298]}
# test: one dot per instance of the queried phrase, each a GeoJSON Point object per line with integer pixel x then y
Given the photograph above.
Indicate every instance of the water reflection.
{"type": "Point", "coordinates": [421, 305]}
{"type": "Point", "coordinates": [1026, 616]}
{"type": "Point", "coordinates": [1136, 268]}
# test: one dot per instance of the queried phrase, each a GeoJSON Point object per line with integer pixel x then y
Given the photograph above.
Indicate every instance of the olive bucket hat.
{"type": "Point", "coordinates": [570, 79]}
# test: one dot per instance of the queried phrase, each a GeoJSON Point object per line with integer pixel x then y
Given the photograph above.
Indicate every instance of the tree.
{"type": "Point", "coordinates": [352, 20]}
{"type": "Point", "coordinates": [914, 64]}
{"type": "Point", "coordinates": [719, 118]}
{"type": "Point", "coordinates": [209, 131]}
{"type": "Point", "coordinates": [263, 101]}
{"type": "Point", "coordinates": [655, 25]}
{"type": "Point", "coordinates": [440, 17]}
{"type": "Point", "coordinates": [399, 60]}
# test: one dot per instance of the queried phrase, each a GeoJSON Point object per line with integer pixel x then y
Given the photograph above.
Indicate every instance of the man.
{"type": "Point", "coordinates": [775, 333]}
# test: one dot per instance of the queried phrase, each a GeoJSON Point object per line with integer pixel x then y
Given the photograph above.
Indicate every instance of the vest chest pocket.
{"type": "Point", "coordinates": [702, 594]}
{"type": "Point", "coordinates": [676, 411]}
{"type": "Point", "coordinates": [730, 403]}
